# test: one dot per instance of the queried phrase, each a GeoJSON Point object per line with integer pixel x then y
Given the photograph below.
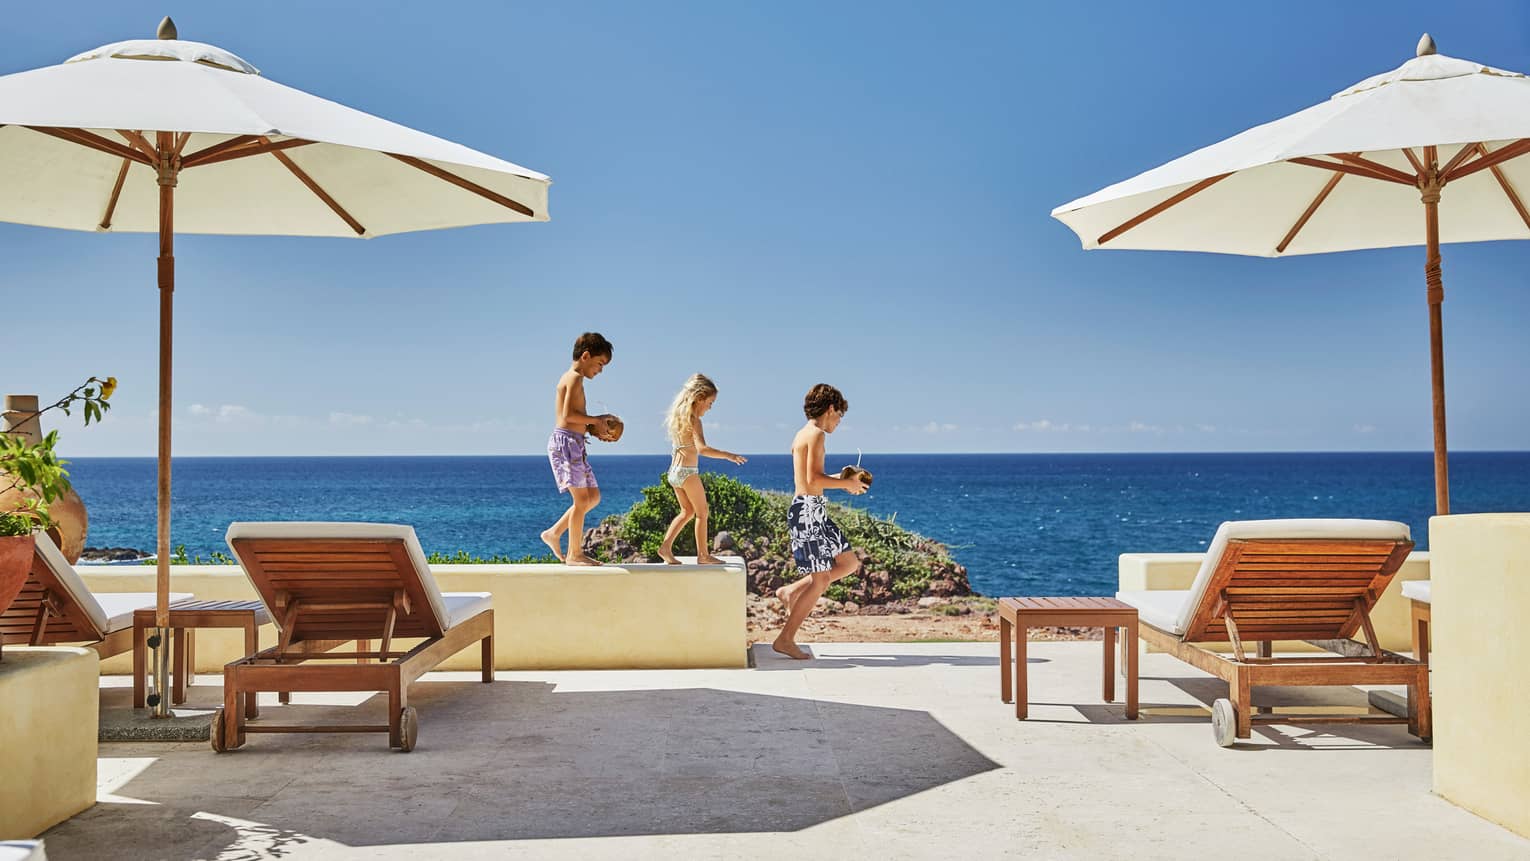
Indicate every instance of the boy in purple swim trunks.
{"type": "Point", "coordinates": [566, 448]}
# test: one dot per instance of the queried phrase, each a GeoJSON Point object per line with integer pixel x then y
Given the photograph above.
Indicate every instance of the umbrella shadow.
{"type": "Point", "coordinates": [523, 760]}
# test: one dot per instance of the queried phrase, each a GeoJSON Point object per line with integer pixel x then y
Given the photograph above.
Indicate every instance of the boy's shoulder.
{"type": "Point", "coordinates": [570, 377]}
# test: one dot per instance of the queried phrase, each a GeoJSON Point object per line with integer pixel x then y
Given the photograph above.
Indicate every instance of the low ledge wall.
{"type": "Point", "coordinates": [1480, 596]}
{"type": "Point", "coordinates": [1391, 616]}
{"type": "Point", "coordinates": [49, 708]}
{"type": "Point", "coordinates": [546, 617]}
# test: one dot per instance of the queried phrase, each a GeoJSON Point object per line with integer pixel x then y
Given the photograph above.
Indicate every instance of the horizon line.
{"type": "Point", "coordinates": [1428, 452]}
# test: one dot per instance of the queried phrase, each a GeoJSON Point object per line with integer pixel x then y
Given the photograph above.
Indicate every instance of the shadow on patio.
{"type": "Point", "coordinates": [519, 760]}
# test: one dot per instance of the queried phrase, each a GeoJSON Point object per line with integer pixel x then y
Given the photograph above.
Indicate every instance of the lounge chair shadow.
{"type": "Point", "coordinates": [762, 657]}
{"type": "Point", "coordinates": [1309, 737]}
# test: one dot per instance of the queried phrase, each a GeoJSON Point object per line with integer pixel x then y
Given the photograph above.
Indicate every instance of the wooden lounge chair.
{"type": "Point", "coordinates": [327, 584]}
{"type": "Point", "coordinates": [55, 607]}
{"type": "Point", "coordinates": [1268, 580]}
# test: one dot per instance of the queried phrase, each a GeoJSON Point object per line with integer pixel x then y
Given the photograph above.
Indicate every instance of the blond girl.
{"type": "Point", "coordinates": [690, 445]}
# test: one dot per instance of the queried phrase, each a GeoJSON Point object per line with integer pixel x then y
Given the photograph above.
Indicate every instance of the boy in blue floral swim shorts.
{"type": "Point", "coordinates": [820, 549]}
{"type": "Point", "coordinates": [566, 448]}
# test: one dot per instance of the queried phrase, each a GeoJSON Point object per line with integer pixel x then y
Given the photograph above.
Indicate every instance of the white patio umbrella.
{"type": "Point", "coordinates": [1430, 152]}
{"type": "Point", "coordinates": [164, 135]}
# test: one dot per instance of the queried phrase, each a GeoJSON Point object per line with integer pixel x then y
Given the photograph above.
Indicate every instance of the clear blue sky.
{"type": "Point", "coordinates": [777, 194]}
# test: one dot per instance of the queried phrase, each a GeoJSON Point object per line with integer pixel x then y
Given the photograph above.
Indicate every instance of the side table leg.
{"type": "Point", "coordinates": [1020, 675]}
{"type": "Point", "coordinates": [140, 661]}
{"type": "Point", "coordinates": [1132, 649]}
{"type": "Point", "coordinates": [191, 656]}
{"type": "Point", "coordinates": [1110, 663]}
{"type": "Point", "coordinates": [1004, 657]}
{"type": "Point", "coordinates": [178, 684]}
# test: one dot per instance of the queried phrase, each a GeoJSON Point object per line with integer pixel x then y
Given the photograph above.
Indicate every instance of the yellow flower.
{"type": "Point", "coordinates": [108, 387]}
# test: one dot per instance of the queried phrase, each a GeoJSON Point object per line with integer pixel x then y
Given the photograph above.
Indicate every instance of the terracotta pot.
{"type": "Point", "coordinates": [15, 565]}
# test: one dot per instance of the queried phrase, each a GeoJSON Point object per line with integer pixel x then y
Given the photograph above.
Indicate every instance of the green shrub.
{"type": "Point", "coordinates": [734, 507]}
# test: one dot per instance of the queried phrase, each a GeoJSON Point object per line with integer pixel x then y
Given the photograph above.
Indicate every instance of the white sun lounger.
{"type": "Point", "coordinates": [1268, 580]}
{"type": "Point", "coordinates": [326, 584]}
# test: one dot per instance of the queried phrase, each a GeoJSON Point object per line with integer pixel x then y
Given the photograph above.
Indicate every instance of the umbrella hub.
{"type": "Point", "coordinates": [1425, 68]}
{"type": "Point", "coordinates": [171, 50]}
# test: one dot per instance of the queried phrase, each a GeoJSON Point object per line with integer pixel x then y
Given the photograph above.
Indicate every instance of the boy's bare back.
{"type": "Point", "coordinates": [570, 406]}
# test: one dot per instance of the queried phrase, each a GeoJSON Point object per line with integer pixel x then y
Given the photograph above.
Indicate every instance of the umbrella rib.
{"type": "Point", "coordinates": [180, 142]}
{"type": "Point", "coordinates": [1155, 210]}
{"type": "Point", "coordinates": [1461, 156]}
{"type": "Point", "coordinates": [246, 151]}
{"type": "Point", "coordinates": [1391, 173]}
{"type": "Point", "coordinates": [318, 191]}
{"type": "Point", "coordinates": [1355, 169]}
{"type": "Point", "coordinates": [1311, 208]}
{"type": "Point", "coordinates": [1418, 166]}
{"type": "Point", "coordinates": [95, 142]}
{"type": "Point", "coordinates": [1508, 188]}
{"type": "Point", "coordinates": [111, 203]}
{"type": "Point", "coordinates": [479, 190]}
{"type": "Point", "coordinates": [136, 141]}
{"type": "Point", "coordinates": [1513, 150]}
{"type": "Point", "coordinates": [216, 148]}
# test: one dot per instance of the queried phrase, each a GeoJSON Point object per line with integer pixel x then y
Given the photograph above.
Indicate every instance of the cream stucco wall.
{"type": "Point", "coordinates": [1480, 595]}
{"type": "Point", "coordinates": [545, 616]}
{"type": "Point", "coordinates": [48, 722]}
{"type": "Point", "coordinates": [1148, 571]}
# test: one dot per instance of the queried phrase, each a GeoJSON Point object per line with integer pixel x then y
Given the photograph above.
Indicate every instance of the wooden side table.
{"type": "Point", "coordinates": [1018, 614]}
{"type": "Point", "coordinates": [185, 618]}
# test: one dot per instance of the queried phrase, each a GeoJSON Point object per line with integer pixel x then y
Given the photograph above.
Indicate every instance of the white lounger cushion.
{"type": "Point", "coordinates": [1335, 528]}
{"type": "Point", "coordinates": [462, 606]}
{"type": "Point", "coordinates": [1418, 590]}
{"type": "Point", "coordinates": [365, 531]}
{"type": "Point", "coordinates": [1157, 607]}
{"type": "Point", "coordinates": [120, 606]}
{"type": "Point", "coordinates": [79, 593]}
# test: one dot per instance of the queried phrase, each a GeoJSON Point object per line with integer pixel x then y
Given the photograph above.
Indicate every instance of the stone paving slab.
{"type": "Point", "coordinates": [870, 750]}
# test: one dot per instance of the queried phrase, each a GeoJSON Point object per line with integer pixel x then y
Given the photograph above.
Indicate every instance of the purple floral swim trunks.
{"type": "Point", "coordinates": [570, 466]}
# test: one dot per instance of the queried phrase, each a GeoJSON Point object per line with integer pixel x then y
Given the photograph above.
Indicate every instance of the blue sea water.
{"type": "Point", "coordinates": [1022, 524]}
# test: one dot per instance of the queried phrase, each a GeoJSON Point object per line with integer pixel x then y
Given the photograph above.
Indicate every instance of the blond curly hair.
{"type": "Point", "coordinates": [683, 410]}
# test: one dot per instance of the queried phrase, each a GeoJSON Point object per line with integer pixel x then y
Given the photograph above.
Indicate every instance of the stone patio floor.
{"type": "Point", "coordinates": [869, 751]}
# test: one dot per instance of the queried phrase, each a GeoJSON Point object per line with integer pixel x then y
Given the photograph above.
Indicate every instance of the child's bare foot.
{"type": "Point", "coordinates": [789, 649]}
{"type": "Point", "coordinates": [581, 559]}
{"type": "Point", "coordinates": [708, 559]}
{"type": "Point", "coordinates": [785, 597]}
{"type": "Point", "coordinates": [550, 538]}
{"type": "Point", "coordinates": [668, 556]}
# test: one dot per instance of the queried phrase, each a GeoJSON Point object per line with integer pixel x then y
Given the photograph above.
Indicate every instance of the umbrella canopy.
{"type": "Point", "coordinates": [166, 135]}
{"type": "Point", "coordinates": [1433, 151]}
{"type": "Point", "coordinates": [261, 158]}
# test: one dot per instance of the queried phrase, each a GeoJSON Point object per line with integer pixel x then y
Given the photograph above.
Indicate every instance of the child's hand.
{"type": "Point", "coordinates": [738, 459]}
{"type": "Point", "coordinates": [856, 487]}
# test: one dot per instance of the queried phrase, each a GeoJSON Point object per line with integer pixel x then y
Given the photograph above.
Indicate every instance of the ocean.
{"type": "Point", "coordinates": [1021, 523]}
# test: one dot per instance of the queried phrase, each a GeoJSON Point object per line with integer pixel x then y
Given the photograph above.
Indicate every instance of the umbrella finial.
{"type": "Point", "coordinates": [166, 30]}
{"type": "Point", "coordinates": [1425, 44]}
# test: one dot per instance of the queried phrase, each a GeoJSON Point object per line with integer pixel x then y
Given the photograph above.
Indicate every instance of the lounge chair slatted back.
{"type": "Point", "coordinates": [1296, 589]}
{"type": "Point", "coordinates": [350, 583]}
{"type": "Point", "coordinates": [69, 619]}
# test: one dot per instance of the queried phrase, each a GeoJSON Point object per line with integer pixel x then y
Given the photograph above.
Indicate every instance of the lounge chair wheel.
{"type": "Point", "coordinates": [409, 726]}
{"type": "Point", "coordinates": [215, 732]}
{"type": "Point", "coordinates": [1224, 723]}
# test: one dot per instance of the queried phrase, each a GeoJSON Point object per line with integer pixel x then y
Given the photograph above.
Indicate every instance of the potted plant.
{"type": "Point", "coordinates": [32, 468]}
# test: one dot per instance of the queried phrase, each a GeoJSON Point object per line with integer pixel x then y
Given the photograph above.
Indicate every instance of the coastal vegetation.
{"type": "Point", "coordinates": [896, 564]}
{"type": "Point", "coordinates": [33, 469]}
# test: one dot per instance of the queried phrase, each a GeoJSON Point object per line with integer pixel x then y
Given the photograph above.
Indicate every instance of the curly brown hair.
{"type": "Point", "coordinates": [593, 343]}
{"type": "Point", "coordinates": [821, 398]}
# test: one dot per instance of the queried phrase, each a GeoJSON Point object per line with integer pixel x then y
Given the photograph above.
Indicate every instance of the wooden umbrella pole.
{"type": "Point", "coordinates": [168, 168]}
{"type": "Point", "coordinates": [1435, 294]}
